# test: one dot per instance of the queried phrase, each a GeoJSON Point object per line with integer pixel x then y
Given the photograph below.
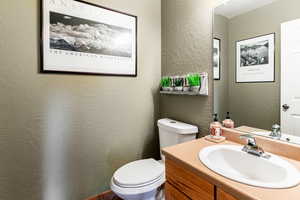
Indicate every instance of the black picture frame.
{"type": "Point", "coordinates": [42, 67]}
{"type": "Point", "coordinates": [274, 58]}
{"type": "Point", "coordinates": [219, 59]}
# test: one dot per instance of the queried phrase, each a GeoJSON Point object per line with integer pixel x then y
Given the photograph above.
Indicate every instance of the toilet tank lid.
{"type": "Point", "coordinates": [176, 126]}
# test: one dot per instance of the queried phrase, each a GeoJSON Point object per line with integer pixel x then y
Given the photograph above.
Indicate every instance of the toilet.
{"type": "Point", "coordinates": [142, 179]}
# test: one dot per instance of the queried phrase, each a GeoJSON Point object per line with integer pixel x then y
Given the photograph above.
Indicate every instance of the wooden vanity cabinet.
{"type": "Point", "coordinates": [183, 184]}
{"type": "Point", "coordinates": [173, 194]}
{"type": "Point", "coordinates": [221, 195]}
{"type": "Point", "coordinates": [188, 182]}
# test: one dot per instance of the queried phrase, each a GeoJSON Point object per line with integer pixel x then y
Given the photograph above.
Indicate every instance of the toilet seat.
{"type": "Point", "coordinates": [138, 177]}
{"type": "Point", "coordinates": [138, 173]}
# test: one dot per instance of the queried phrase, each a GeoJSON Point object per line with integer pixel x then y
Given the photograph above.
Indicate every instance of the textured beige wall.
{"type": "Point", "coordinates": [221, 86]}
{"type": "Point", "coordinates": [187, 47]}
{"type": "Point", "coordinates": [258, 104]}
{"type": "Point", "coordinates": [62, 136]}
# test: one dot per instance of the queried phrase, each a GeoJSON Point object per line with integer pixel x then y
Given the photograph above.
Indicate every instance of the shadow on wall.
{"type": "Point", "coordinates": [151, 145]}
{"type": "Point", "coordinates": [64, 166]}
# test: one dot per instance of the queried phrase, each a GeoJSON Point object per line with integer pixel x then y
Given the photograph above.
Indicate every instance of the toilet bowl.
{"type": "Point", "coordinates": [138, 180]}
{"type": "Point", "coordinates": [142, 179]}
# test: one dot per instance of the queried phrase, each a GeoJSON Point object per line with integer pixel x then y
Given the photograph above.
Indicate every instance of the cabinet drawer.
{"type": "Point", "coordinates": [173, 194]}
{"type": "Point", "coordinates": [221, 195]}
{"type": "Point", "coordinates": [187, 182]}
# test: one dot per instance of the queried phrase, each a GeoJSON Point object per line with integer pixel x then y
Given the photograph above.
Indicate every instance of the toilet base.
{"type": "Point", "coordinates": [144, 196]}
{"type": "Point", "coordinates": [157, 194]}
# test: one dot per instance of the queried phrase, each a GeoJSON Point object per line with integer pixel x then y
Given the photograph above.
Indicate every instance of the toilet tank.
{"type": "Point", "coordinates": [172, 132]}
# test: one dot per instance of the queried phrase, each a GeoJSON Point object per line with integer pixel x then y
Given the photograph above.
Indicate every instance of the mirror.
{"type": "Point", "coordinates": [256, 65]}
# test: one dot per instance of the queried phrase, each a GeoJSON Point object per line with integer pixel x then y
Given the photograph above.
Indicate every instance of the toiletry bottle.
{"type": "Point", "coordinates": [228, 123]}
{"type": "Point", "coordinates": [215, 127]}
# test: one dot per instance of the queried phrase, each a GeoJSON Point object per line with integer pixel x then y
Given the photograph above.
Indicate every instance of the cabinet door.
{"type": "Point", "coordinates": [187, 182]}
{"type": "Point", "coordinates": [221, 195]}
{"type": "Point", "coordinates": [173, 194]}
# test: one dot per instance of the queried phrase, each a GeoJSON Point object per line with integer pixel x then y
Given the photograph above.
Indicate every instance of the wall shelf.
{"type": "Point", "coordinates": [182, 93]}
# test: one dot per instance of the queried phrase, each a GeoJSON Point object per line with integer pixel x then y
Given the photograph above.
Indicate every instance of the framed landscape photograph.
{"type": "Point", "coordinates": [217, 58]}
{"type": "Point", "coordinates": [255, 59]}
{"type": "Point", "coordinates": [84, 38]}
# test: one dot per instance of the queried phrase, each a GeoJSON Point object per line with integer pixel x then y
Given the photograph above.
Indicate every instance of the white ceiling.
{"type": "Point", "coordinates": [232, 8]}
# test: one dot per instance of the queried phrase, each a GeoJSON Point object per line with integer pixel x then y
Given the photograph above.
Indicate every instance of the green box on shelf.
{"type": "Point", "coordinates": [178, 82]}
{"type": "Point", "coordinates": [166, 82]}
{"type": "Point", "coordinates": [194, 80]}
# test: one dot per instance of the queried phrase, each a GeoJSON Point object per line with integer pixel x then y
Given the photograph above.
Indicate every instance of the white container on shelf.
{"type": "Point", "coordinates": [179, 88]}
{"type": "Point", "coordinates": [204, 83]}
{"type": "Point", "coordinates": [195, 89]}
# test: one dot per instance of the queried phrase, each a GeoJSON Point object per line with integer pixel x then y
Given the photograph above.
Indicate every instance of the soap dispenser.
{"type": "Point", "coordinates": [215, 127]}
{"type": "Point", "coordinates": [228, 123]}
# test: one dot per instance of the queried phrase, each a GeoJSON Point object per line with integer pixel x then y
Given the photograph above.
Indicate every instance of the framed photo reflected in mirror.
{"type": "Point", "coordinates": [255, 59]}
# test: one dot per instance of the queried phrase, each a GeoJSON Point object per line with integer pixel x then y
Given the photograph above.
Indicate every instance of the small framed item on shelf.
{"type": "Point", "coordinates": [178, 82]}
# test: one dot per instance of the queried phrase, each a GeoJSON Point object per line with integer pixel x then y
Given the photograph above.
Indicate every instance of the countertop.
{"type": "Point", "coordinates": [187, 155]}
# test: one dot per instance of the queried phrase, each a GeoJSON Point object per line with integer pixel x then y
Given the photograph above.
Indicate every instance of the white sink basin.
{"type": "Point", "coordinates": [231, 162]}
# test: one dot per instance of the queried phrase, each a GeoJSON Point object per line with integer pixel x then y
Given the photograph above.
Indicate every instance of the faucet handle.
{"type": "Point", "coordinates": [276, 132]}
{"type": "Point", "coordinates": [252, 147]}
{"type": "Point", "coordinates": [250, 139]}
{"type": "Point", "coordinates": [275, 128]}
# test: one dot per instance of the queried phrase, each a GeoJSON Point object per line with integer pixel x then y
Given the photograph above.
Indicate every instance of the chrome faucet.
{"type": "Point", "coordinates": [276, 132]}
{"type": "Point", "coordinates": [252, 148]}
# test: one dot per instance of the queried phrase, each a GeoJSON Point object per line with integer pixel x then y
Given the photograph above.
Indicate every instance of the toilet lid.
{"type": "Point", "coordinates": [139, 173]}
